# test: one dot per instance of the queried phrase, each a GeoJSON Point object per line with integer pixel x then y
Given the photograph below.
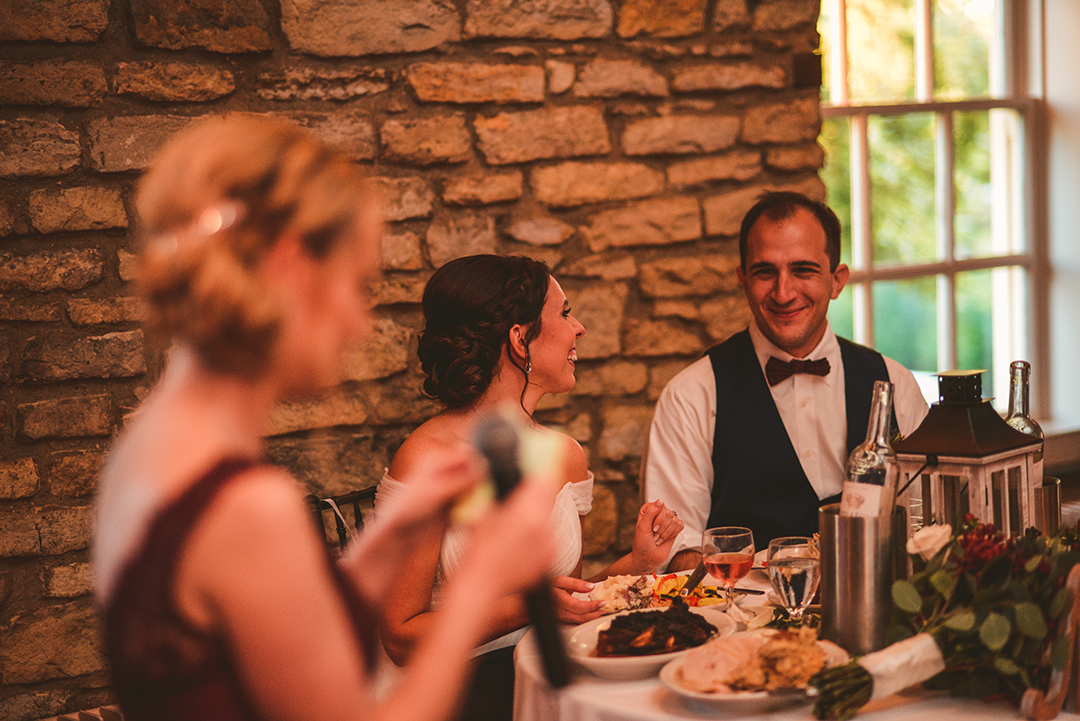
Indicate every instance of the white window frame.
{"type": "Point", "coordinates": [1015, 325]}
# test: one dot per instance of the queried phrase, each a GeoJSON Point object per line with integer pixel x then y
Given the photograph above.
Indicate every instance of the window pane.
{"type": "Point", "coordinates": [905, 322]}
{"type": "Point", "coordinates": [836, 141]}
{"type": "Point", "coordinates": [902, 188]}
{"type": "Point", "coordinates": [971, 134]}
{"type": "Point", "coordinates": [961, 48]}
{"type": "Point", "coordinates": [974, 325]}
{"type": "Point", "coordinates": [841, 313]}
{"type": "Point", "coordinates": [881, 50]}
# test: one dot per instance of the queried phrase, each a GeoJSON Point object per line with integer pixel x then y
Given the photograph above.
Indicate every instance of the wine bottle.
{"type": "Point", "coordinates": [872, 468]}
{"type": "Point", "coordinates": [1018, 416]}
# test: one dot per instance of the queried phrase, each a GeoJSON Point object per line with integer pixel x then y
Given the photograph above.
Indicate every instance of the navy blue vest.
{"type": "Point", "coordinates": [758, 481]}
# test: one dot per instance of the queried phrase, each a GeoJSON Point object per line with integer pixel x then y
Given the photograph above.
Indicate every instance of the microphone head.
{"type": "Point", "coordinates": [497, 439]}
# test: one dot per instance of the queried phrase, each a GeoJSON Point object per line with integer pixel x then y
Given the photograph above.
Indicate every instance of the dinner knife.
{"type": "Point", "coordinates": [694, 580]}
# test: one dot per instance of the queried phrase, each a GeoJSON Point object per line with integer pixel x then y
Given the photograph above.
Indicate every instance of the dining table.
{"type": "Point", "coordinates": [591, 698]}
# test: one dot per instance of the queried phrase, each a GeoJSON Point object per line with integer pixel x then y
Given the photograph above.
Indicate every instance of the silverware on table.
{"type": "Point", "coordinates": [694, 580]}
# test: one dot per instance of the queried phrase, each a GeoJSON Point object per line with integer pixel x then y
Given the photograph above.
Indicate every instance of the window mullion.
{"type": "Point", "coordinates": [924, 51]}
{"type": "Point", "coordinates": [861, 230]}
{"type": "Point", "coordinates": [839, 91]}
{"type": "Point", "coordinates": [945, 200]}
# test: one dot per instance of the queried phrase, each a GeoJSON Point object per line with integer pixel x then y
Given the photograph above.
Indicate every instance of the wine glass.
{"type": "Point", "coordinates": [728, 553]}
{"type": "Point", "coordinates": [794, 571]}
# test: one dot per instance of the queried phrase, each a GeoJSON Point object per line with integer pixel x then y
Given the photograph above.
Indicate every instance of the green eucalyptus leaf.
{"type": "Point", "coordinates": [1058, 602]}
{"type": "Point", "coordinates": [1033, 563]}
{"type": "Point", "coordinates": [943, 581]}
{"type": "Point", "coordinates": [963, 620]}
{"type": "Point", "coordinates": [1006, 666]}
{"type": "Point", "coordinates": [994, 632]}
{"type": "Point", "coordinates": [1030, 621]}
{"type": "Point", "coordinates": [1059, 651]}
{"type": "Point", "coordinates": [906, 597]}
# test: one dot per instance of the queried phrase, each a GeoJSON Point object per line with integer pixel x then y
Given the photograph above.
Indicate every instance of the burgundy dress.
{"type": "Point", "coordinates": [162, 667]}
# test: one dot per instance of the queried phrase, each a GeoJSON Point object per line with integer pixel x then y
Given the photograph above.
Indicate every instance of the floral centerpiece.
{"type": "Point", "coordinates": [979, 616]}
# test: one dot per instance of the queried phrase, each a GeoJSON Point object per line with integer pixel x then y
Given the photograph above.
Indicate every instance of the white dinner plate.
{"type": "Point", "coordinates": [581, 642]}
{"type": "Point", "coordinates": [744, 702]}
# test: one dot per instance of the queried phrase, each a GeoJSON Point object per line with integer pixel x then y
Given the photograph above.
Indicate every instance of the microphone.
{"type": "Point", "coordinates": [497, 440]}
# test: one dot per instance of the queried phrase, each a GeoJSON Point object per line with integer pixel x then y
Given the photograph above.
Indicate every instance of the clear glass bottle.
{"type": "Point", "coordinates": [872, 469]}
{"type": "Point", "coordinates": [1019, 416]}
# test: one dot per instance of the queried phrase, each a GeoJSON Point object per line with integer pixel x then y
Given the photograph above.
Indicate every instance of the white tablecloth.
{"type": "Point", "coordinates": [590, 698]}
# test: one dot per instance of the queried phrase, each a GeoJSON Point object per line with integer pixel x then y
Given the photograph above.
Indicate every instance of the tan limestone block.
{"type": "Point", "coordinates": [425, 141]}
{"type": "Point", "coordinates": [476, 82]}
{"type": "Point", "coordinates": [730, 76]}
{"type": "Point", "coordinates": [336, 409]}
{"type": "Point", "coordinates": [67, 581]}
{"type": "Point", "coordinates": [80, 208]}
{"type": "Point", "coordinates": [661, 18]}
{"type": "Point", "coordinates": [554, 132]}
{"type": "Point", "coordinates": [122, 143]}
{"type": "Point", "coordinates": [66, 83]}
{"type": "Point", "coordinates": [18, 479]}
{"type": "Point", "coordinates": [238, 26]}
{"type": "Point", "coordinates": [561, 76]}
{"type": "Point", "coordinates": [662, 373]}
{"type": "Point", "coordinates": [616, 378]}
{"type": "Point", "coordinates": [7, 219]}
{"type": "Point", "coordinates": [52, 642]}
{"type": "Point", "coordinates": [575, 183]}
{"type": "Point", "coordinates": [580, 427]}
{"type": "Point", "coordinates": [350, 132]}
{"type": "Point", "coordinates": [70, 417]}
{"type": "Point", "coordinates": [173, 82]}
{"type": "Point", "coordinates": [401, 251]}
{"type": "Point", "coordinates": [29, 311]}
{"type": "Point", "coordinates": [730, 14]}
{"type": "Point", "coordinates": [660, 337]}
{"type": "Point", "coordinates": [724, 212]}
{"type": "Point", "coordinates": [603, 266]}
{"type": "Point", "coordinates": [724, 317]}
{"type": "Point", "coordinates": [62, 21]}
{"type": "Point", "coordinates": [64, 528]}
{"type": "Point", "coordinates": [18, 534]}
{"type": "Point", "coordinates": [773, 15]}
{"type": "Point", "coordinates": [802, 157]}
{"type": "Point", "coordinates": [685, 309]}
{"type": "Point", "coordinates": [74, 473]}
{"type": "Point", "coordinates": [51, 270]}
{"type": "Point", "coordinates": [690, 276]}
{"type": "Point", "coordinates": [600, 308]}
{"type": "Point", "coordinates": [782, 122]}
{"type": "Point", "coordinates": [552, 19]}
{"type": "Point", "coordinates": [323, 84]}
{"type": "Point", "coordinates": [660, 221]}
{"type": "Point", "coordinates": [680, 135]}
{"type": "Point", "coordinates": [95, 311]}
{"type": "Point", "coordinates": [599, 528]}
{"type": "Point", "coordinates": [626, 428]}
{"type": "Point", "coordinates": [398, 290]}
{"type": "Point", "coordinates": [346, 28]}
{"type": "Point", "coordinates": [406, 198]}
{"type": "Point", "coordinates": [113, 355]}
{"type": "Point", "coordinates": [397, 401]}
{"type": "Point", "coordinates": [737, 165]}
{"type": "Point", "coordinates": [37, 148]}
{"type": "Point", "coordinates": [483, 188]}
{"type": "Point", "coordinates": [457, 236]}
{"type": "Point", "coordinates": [127, 263]}
{"type": "Point", "coordinates": [602, 78]}
{"type": "Point", "coordinates": [386, 350]}
{"type": "Point", "coordinates": [540, 230]}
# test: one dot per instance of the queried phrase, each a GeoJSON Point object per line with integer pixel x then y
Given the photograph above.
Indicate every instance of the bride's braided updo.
{"type": "Point", "coordinates": [469, 306]}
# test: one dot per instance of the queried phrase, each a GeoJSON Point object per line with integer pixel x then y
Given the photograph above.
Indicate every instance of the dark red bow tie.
{"type": "Point", "coordinates": [777, 370]}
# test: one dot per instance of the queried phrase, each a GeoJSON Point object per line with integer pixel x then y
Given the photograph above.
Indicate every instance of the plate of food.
{"type": "Point", "coordinates": [753, 671]}
{"type": "Point", "coordinates": [637, 643]}
{"type": "Point", "coordinates": [623, 593]}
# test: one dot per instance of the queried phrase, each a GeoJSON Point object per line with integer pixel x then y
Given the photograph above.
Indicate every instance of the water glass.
{"type": "Point", "coordinates": [794, 570]}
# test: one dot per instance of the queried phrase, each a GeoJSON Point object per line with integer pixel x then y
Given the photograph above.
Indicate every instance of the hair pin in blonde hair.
{"type": "Point", "coordinates": [218, 217]}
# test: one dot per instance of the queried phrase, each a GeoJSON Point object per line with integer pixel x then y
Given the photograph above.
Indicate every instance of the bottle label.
{"type": "Point", "coordinates": [862, 499]}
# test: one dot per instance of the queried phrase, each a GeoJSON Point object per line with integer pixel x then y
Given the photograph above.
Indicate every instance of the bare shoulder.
{"type": "Point", "coordinates": [575, 465]}
{"type": "Point", "coordinates": [433, 438]}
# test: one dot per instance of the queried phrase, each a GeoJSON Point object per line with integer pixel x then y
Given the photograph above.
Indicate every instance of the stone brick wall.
{"type": "Point", "coordinates": [621, 141]}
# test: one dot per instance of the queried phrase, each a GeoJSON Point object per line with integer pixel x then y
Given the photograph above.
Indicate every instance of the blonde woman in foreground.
{"type": "Point", "coordinates": [218, 597]}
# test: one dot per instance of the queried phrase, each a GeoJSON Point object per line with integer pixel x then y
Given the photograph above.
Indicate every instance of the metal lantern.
{"type": "Point", "coordinates": [963, 458]}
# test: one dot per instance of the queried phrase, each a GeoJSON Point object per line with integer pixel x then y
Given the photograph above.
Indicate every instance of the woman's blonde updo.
{"type": "Point", "coordinates": [215, 200]}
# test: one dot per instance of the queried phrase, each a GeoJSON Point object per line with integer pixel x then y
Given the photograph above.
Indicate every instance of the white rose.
{"type": "Point", "coordinates": [928, 540]}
